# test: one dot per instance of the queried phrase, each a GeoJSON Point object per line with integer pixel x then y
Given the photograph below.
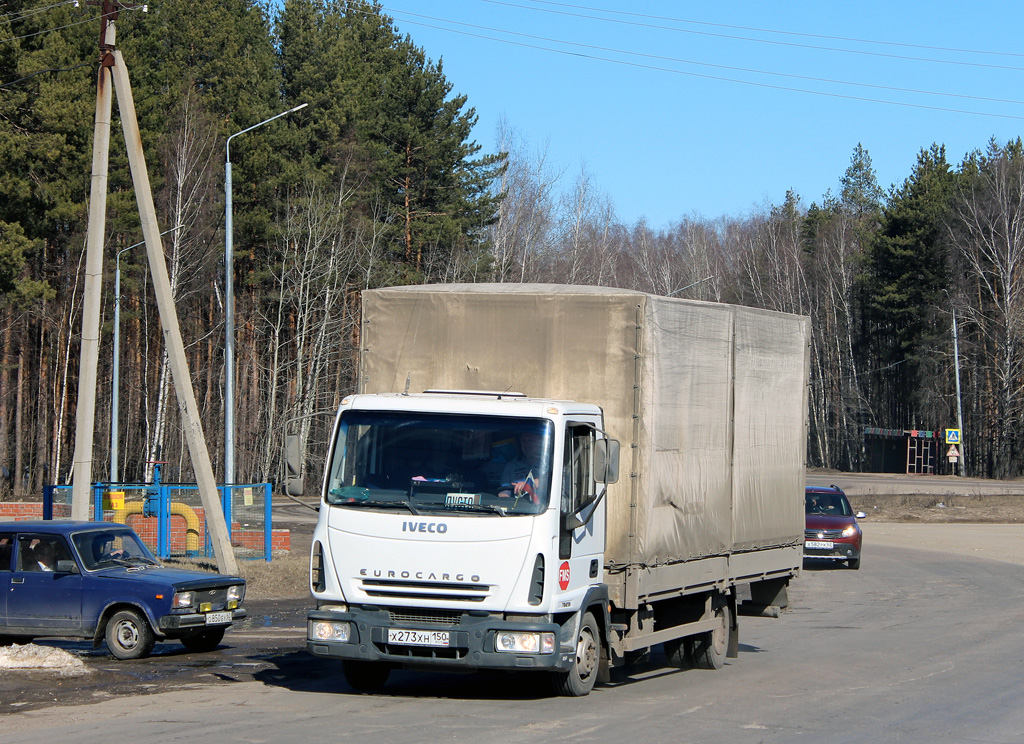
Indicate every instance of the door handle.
{"type": "Point", "coordinates": [19, 580]}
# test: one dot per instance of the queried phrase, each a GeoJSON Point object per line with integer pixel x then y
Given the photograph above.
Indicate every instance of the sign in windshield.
{"type": "Point", "coordinates": [422, 463]}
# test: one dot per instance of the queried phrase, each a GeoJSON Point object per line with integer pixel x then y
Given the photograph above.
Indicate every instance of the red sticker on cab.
{"type": "Point", "coordinates": [563, 576]}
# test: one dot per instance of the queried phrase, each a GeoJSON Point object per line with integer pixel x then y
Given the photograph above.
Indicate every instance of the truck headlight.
{"type": "Point", "coordinates": [181, 599]}
{"type": "Point", "coordinates": [520, 642]}
{"type": "Point", "coordinates": [329, 630]}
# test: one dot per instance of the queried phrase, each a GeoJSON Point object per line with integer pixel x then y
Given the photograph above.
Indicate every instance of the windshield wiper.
{"type": "Point", "coordinates": [371, 503]}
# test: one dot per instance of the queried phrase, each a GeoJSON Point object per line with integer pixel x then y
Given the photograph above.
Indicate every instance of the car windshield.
{"type": "Point", "coordinates": [112, 547]}
{"type": "Point", "coordinates": [833, 504]}
{"type": "Point", "coordinates": [422, 463]}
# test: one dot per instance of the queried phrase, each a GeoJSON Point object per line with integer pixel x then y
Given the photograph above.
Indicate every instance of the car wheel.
{"type": "Point", "coordinates": [365, 676]}
{"type": "Point", "coordinates": [854, 563]}
{"type": "Point", "coordinates": [129, 635]}
{"type": "Point", "coordinates": [204, 641]}
{"type": "Point", "coordinates": [710, 648]}
{"type": "Point", "coordinates": [581, 678]}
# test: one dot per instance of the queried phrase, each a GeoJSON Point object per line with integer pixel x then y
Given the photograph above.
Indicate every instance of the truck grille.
{"type": "Point", "coordinates": [425, 590]}
{"type": "Point", "coordinates": [400, 615]}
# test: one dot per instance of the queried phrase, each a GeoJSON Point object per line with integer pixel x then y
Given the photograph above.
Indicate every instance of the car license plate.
{"type": "Point", "coordinates": [218, 618]}
{"type": "Point", "coordinates": [418, 637]}
{"type": "Point", "coordinates": [818, 545]}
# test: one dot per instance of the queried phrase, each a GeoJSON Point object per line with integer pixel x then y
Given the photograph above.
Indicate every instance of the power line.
{"type": "Point", "coordinates": [717, 66]}
{"type": "Point", "coordinates": [772, 31]}
{"type": "Point", "coordinates": [14, 16]}
{"type": "Point", "coordinates": [40, 72]}
{"type": "Point", "coordinates": [705, 76]}
{"type": "Point", "coordinates": [48, 30]}
{"type": "Point", "coordinates": [750, 38]}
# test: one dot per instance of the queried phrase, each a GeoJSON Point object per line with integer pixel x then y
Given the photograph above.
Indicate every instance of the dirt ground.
{"type": "Point", "coordinates": [941, 508]}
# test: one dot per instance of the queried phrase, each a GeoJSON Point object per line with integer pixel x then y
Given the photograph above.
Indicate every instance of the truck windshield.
{"type": "Point", "coordinates": [475, 465]}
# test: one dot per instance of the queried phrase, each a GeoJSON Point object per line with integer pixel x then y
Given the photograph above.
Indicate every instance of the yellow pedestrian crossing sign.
{"type": "Point", "coordinates": [952, 436]}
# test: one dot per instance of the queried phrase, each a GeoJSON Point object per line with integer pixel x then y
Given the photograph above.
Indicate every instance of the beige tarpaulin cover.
{"type": "Point", "coordinates": [712, 396]}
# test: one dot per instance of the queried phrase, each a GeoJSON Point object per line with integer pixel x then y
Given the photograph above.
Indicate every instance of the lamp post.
{"type": "Point", "coordinates": [959, 411]}
{"type": "Point", "coordinates": [229, 305]}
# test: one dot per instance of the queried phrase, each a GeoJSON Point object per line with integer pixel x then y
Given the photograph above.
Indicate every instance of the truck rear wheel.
{"type": "Point", "coordinates": [581, 678]}
{"type": "Point", "coordinates": [710, 648]}
{"type": "Point", "coordinates": [365, 676]}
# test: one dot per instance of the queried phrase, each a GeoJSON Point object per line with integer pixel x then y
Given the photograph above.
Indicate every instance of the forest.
{"type": "Point", "coordinates": [378, 182]}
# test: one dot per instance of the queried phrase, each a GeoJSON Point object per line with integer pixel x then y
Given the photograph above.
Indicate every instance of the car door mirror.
{"type": "Point", "coordinates": [67, 567]}
{"type": "Point", "coordinates": [861, 515]}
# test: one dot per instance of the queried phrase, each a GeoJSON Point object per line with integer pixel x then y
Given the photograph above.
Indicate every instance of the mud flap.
{"type": "Point", "coordinates": [734, 637]}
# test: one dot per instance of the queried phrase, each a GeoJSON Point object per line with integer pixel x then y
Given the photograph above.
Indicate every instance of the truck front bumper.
{"type": "Point", "coordinates": [471, 641]}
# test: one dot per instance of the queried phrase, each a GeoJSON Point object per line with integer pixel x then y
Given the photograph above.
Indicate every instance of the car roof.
{"type": "Point", "coordinates": [55, 526]}
{"type": "Point", "coordinates": [824, 489]}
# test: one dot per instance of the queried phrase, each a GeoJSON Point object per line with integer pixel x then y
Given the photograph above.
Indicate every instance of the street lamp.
{"type": "Point", "coordinates": [116, 376]}
{"type": "Point", "coordinates": [229, 306]}
{"type": "Point", "coordinates": [691, 284]}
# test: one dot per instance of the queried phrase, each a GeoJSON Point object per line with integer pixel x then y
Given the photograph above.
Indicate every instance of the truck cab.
{"type": "Point", "coordinates": [463, 530]}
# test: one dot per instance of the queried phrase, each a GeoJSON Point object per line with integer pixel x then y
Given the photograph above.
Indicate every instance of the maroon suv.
{"type": "Point", "coordinates": [831, 531]}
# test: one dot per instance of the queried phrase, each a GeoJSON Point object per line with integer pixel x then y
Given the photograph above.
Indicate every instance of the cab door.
{"type": "Point", "coordinates": [581, 548]}
{"type": "Point", "coordinates": [45, 601]}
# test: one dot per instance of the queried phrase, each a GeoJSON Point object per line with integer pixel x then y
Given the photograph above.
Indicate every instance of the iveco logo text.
{"type": "Point", "coordinates": [438, 527]}
{"type": "Point", "coordinates": [428, 576]}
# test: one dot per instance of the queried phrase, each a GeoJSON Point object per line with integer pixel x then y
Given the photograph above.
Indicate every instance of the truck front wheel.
{"type": "Point", "coordinates": [365, 676]}
{"type": "Point", "coordinates": [581, 678]}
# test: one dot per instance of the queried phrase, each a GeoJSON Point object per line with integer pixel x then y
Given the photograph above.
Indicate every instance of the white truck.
{"type": "Point", "coordinates": [633, 477]}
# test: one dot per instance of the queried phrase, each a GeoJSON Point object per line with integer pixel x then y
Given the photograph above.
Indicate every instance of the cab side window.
{"type": "Point", "coordinates": [577, 477]}
{"type": "Point", "coordinates": [6, 550]}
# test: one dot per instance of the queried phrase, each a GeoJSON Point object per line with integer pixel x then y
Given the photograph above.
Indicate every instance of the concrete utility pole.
{"type": "Point", "coordinates": [81, 484]}
{"type": "Point", "coordinates": [114, 62]}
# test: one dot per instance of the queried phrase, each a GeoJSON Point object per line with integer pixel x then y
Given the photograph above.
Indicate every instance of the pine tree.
{"type": "Point", "coordinates": [906, 271]}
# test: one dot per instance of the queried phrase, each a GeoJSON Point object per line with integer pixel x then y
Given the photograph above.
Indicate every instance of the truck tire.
{"type": "Point", "coordinates": [579, 680]}
{"type": "Point", "coordinates": [129, 635]}
{"type": "Point", "coordinates": [204, 641]}
{"type": "Point", "coordinates": [365, 676]}
{"type": "Point", "coordinates": [710, 648]}
{"type": "Point", "coordinates": [679, 651]}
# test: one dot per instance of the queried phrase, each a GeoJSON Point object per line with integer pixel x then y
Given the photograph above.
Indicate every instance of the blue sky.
{"type": "Point", "coordinates": [669, 107]}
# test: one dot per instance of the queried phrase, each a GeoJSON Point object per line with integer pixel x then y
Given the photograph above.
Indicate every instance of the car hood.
{"type": "Point", "coordinates": [826, 522]}
{"type": "Point", "coordinates": [180, 578]}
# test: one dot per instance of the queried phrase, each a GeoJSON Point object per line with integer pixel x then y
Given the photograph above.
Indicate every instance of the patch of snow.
{"type": "Point", "coordinates": [33, 657]}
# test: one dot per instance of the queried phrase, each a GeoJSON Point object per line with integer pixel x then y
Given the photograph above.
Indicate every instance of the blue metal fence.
{"type": "Point", "coordinates": [152, 508]}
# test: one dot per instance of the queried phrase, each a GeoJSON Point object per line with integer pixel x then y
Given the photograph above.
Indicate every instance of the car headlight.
{"type": "Point", "coordinates": [329, 630]}
{"type": "Point", "coordinates": [519, 642]}
{"type": "Point", "coordinates": [236, 592]}
{"type": "Point", "coordinates": [851, 531]}
{"type": "Point", "coordinates": [181, 599]}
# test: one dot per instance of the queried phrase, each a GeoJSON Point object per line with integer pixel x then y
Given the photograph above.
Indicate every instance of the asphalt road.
{"type": "Point", "coordinates": [917, 646]}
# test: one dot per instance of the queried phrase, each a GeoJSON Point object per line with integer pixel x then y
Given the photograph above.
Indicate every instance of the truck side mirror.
{"type": "Point", "coordinates": [294, 483]}
{"type": "Point", "coordinates": [606, 460]}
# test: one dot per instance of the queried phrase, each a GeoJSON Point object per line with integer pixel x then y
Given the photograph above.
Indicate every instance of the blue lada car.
{"type": "Point", "coordinates": [97, 580]}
